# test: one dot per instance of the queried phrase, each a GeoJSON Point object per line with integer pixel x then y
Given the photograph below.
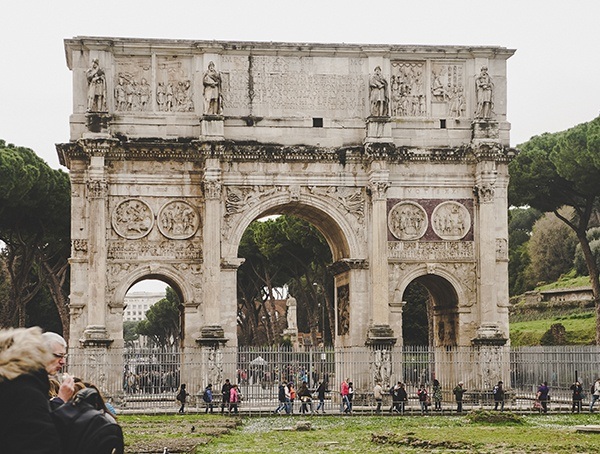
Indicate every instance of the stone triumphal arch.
{"type": "Point", "coordinates": [397, 154]}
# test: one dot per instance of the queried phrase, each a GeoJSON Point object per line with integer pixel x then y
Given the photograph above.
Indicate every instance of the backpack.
{"type": "Point", "coordinates": [206, 397]}
{"type": "Point", "coordinates": [593, 389]}
{"type": "Point", "coordinates": [85, 429]}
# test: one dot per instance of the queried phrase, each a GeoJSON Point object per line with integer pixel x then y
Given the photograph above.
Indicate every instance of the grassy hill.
{"type": "Point", "coordinates": [580, 329]}
{"type": "Point", "coordinates": [528, 326]}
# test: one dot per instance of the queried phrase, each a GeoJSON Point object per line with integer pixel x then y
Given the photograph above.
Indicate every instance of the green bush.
{"type": "Point", "coordinates": [495, 417]}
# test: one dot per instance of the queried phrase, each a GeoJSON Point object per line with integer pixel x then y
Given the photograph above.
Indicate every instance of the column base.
{"type": "Point", "coordinates": [95, 336]}
{"type": "Point", "coordinates": [380, 335]}
{"type": "Point", "coordinates": [489, 334]}
{"type": "Point", "coordinates": [211, 334]}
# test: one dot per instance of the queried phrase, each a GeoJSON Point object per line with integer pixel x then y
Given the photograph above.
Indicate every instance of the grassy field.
{"type": "Point", "coordinates": [360, 434]}
{"type": "Point", "coordinates": [580, 329]}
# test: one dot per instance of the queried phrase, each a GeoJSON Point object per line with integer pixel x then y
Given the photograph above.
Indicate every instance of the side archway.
{"type": "Point", "coordinates": [182, 287]}
{"type": "Point", "coordinates": [446, 297]}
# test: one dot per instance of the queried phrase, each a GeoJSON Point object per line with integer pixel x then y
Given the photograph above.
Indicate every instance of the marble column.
{"type": "Point", "coordinates": [97, 193]}
{"type": "Point", "coordinates": [212, 251]}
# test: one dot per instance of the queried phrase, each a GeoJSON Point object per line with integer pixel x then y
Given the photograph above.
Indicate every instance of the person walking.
{"type": "Point", "coordinates": [543, 396]}
{"type": "Point", "coordinates": [182, 397]}
{"type": "Point", "coordinates": [350, 396]}
{"type": "Point", "coordinates": [321, 390]}
{"type": "Point", "coordinates": [577, 397]}
{"type": "Point", "coordinates": [459, 392]}
{"type": "Point", "coordinates": [498, 396]}
{"type": "Point", "coordinates": [306, 398]}
{"type": "Point", "coordinates": [378, 396]}
{"type": "Point", "coordinates": [234, 399]}
{"type": "Point", "coordinates": [423, 396]}
{"type": "Point", "coordinates": [595, 394]}
{"type": "Point", "coordinates": [292, 397]}
{"type": "Point", "coordinates": [225, 393]}
{"type": "Point", "coordinates": [344, 389]}
{"type": "Point", "coordinates": [437, 395]}
{"type": "Point", "coordinates": [281, 396]}
{"type": "Point", "coordinates": [207, 397]}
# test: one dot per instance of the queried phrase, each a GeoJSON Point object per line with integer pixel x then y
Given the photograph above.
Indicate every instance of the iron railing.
{"type": "Point", "coordinates": [150, 378]}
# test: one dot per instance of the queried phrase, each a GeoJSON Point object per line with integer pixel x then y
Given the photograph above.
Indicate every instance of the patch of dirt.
{"type": "Point", "coordinates": [410, 440]}
{"type": "Point", "coordinates": [178, 436]}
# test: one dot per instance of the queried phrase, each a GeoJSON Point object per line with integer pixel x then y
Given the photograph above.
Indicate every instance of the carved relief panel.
{"type": "Point", "coordinates": [175, 238]}
{"type": "Point", "coordinates": [343, 310]}
{"type": "Point", "coordinates": [132, 90]}
{"type": "Point", "coordinates": [448, 90]}
{"type": "Point", "coordinates": [430, 219]}
{"type": "Point", "coordinates": [430, 229]}
{"type": "Point", "coordinates": [174, 85]}
{"type": "Point", "coordinates": [451, 220]}
{"type": "Point", "coordinates": [178, 220]}
{"type": "Point", "coordinates": [132, 219]}
{"type": "Point", "coordinates": [407, 88]}
{"type": "Point", "coordinates": [407, 221]}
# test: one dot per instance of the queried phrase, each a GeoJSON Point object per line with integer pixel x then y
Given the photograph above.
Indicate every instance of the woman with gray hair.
{"type": "Point", "coordinates": [25, 421]}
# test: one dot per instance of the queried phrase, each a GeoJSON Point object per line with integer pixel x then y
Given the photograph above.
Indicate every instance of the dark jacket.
{"type": "Point", "coordinates": [321, 390]}
{"type": "Point", "coordinates": [498, 393]}
{"type": "Point", "coordinates": [577, 391]}
{"type": "Point", "coordinates": [226, 391]}
{"type": "Point", "coordinates": [26, 426]}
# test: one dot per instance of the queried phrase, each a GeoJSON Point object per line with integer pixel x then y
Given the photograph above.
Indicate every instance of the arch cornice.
{"type": "Point", "coordinates": [163, 272]}
{"type": "Point", "coordinates": [425, 269]}
{"type": "Point", "coordinates": [335, 225]}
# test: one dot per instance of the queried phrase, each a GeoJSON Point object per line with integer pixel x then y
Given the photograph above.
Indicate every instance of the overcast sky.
{"type": "Point", "coordinates": [553, 79]}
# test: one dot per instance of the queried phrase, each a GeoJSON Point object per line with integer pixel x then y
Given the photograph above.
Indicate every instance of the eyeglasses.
{"type": "Point", "coordinates": [60, 355]}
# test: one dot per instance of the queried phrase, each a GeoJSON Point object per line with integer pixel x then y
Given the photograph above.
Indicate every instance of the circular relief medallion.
{"type": "Point", "coordinates": [407, 221]}
{"type": "Point", "coordinates": [132, 219]}
{"type": "Point", "coordinates": [178, 220]}
{"type": "Point", "coordinates": [451, 220]}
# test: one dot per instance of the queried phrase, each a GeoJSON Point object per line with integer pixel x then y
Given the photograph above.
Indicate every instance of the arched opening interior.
{"type": "Point", "coordinates": [152, 315]}
{"type": "Point", "coordinates": [288, 251]}
{"type": "Point", "coordinates": [430, 316]}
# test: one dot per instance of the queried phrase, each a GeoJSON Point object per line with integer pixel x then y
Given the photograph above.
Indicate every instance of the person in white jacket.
{"type": "Point", "coordinates": [595, 395]}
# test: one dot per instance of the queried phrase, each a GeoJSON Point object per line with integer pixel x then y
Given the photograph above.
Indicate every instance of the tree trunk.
{"type": "Point", "coordinates": [55, 281]}
{"type": "Point", "coordinates": [590, 261]}
{"type": "Point", "coordinates": [580, 230]}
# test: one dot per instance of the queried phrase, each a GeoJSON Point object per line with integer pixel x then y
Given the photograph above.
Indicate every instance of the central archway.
{"type": "Point", "coordinates": [336, 230]}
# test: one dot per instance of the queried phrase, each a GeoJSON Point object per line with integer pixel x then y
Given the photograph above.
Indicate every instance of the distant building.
{"type": "Point", "coordinates": [138, 303]}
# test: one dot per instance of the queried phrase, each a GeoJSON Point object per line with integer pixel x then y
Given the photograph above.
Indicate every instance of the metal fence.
{"type": "Point", "coordinates": [150, 378]}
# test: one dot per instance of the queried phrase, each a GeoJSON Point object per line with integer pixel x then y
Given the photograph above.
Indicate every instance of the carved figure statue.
{"type": "Point", "coordinates": [161, 96]}
{"type": "Point", "coordinates": [121, 94]}
{"type": "Point", "coordinates": [378, 94]}
{"type": "Point", "coordinates": [213, 104]}
{"type": "Point", "coordinates": [144, 91]}
{"type": "Point", "coordinates": [96, 97]}
{"type": "Point", "coordinates": [291, 313]}
{"type": "Point", "coordinates": [484, 89]}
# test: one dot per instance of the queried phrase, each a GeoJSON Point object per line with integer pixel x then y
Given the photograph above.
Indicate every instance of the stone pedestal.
{"type": "Point", "coordinates": [293, 335]}
{"type": "Point", "coordinates": [379, 129]}
{"type": "Point", "coordinates": [213, 127]}
{"type": "Point", "coordinates": [485, 130]}
{"type": "Point", "coordinates": [98, 122]}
